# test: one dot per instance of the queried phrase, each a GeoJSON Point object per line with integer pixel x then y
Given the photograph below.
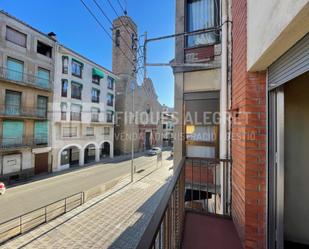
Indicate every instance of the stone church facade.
{"type": "Point", "coordinates": [145, 123]}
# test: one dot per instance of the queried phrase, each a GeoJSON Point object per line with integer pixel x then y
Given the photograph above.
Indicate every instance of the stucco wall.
{"type": "Point", "coordinates": [273, 27]}
{"type": "Point", "coordinates": [206, 80]}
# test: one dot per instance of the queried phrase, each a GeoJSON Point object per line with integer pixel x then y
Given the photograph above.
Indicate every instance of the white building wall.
{"type": "Point", "coordinates": [81, 140]}
{"type": "Point", "coordinates": [273, 27]}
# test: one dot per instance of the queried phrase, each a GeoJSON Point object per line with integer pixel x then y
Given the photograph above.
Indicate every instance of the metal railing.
{"type": "Point", "coordinates": [192, 174]}
{"type": "Point", "coordinates": [33, 219]}
{"type": "Point", "coordinates": [208, 185]}
{"type": "Point", "coordinates": [24, 141]}
{"type": "Point", "coordinates": [166, 225]}
{"type": "Point", "coordinates": [24, 78]}
{"type": "Point", "coordinates": [23, 111]}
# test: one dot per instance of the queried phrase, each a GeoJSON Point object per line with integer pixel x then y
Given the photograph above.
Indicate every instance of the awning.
{"type": "Point", "coordinates": [97, 72]}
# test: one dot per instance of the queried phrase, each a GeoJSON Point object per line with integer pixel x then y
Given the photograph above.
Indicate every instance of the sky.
{"type": "Point", "coordinates": [76, 29]}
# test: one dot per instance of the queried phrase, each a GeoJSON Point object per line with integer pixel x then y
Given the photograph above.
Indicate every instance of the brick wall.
{"type": "Point", "coordinates": [249, 139]}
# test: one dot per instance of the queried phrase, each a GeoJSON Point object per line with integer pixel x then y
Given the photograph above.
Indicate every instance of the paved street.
{"type": "Point", "coordinates": [115, 219]}
{"type": "Point", "coordinates": [27, 197]}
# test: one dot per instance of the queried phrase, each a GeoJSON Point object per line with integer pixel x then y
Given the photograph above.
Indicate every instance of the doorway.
{"type": "Point", "coordinates": [288, 164]}
{"type": "Point", "coordinates": [41, 163]}
{"type": "Point", "coordinates": [147, 142]}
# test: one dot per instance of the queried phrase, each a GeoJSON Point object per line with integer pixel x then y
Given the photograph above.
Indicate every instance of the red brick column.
{"type": "Point", "coordinates": [249, 139]}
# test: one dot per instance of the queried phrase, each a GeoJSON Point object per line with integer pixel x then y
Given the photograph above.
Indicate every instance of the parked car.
{"type": "Point", "coordinates": [2, 188]}
{"type": "Point", "coordinates": [154, 151]}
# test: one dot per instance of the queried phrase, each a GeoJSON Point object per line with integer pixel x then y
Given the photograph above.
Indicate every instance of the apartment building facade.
{"type": "Point", "coordinates": [26, 75]}
{"type": "Point", "coordinates": [264, 93]}
{"type": "Point", "coordinates": [83, 111]}
{"type": "Point", "coordinates": [137, 106]}
{"type": "Point", "coordinates": [168, 126]}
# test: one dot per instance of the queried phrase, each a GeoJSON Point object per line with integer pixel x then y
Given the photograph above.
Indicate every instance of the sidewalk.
{"type": "Point", "coordinates": [115, 219]}
{"type": "Point", "coordinates": [115, 159]}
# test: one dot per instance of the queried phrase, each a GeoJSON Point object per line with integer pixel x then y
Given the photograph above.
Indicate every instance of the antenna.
{"type": "Point", "coordinates": [125, 8]}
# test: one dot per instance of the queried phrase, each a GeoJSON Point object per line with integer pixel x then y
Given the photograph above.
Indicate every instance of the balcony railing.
{"type": "Point", "coordinates": [25, 79]}
{"type": "Point", "coordinates": [23, 111]}
{"type": "Point", "coordinates": [24, 141]}
{"type": "Point", "coordinates": [198, 184]}
{"type": "Point", "coordinates": [76, 116]}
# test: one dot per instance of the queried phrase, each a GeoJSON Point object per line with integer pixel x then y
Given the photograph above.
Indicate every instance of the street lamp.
{"type": "Point", "coordinates": [132, 88]}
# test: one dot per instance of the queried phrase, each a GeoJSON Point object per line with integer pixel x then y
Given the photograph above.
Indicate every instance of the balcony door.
{"type": "Point", "coordinates": [288, 165]}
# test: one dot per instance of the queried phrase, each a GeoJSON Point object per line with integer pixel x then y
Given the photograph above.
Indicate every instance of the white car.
{"type": "Point", "coordinates": [154, 151]}
{"type": "Point", "coordinates": [2, 188]}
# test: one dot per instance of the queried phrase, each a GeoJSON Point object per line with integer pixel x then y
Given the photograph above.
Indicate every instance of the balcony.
{"type": "Point", "coordinates": [25, 79]}
{"type": "Point", "coordinates": [195, 211]}
{"type": "Point", "coordinates": [19, 111]}
{"type": "Point", "coordinates": [23, 142]}
{"type": "Point", "coordinates": [76, 116]}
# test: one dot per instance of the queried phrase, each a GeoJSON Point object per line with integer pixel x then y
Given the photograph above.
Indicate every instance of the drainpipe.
{"type": "Point", "coordinates": [223, 101]}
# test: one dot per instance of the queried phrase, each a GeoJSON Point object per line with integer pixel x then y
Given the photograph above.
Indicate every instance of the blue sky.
{"type": "Point", "coordinates": [76, 29]}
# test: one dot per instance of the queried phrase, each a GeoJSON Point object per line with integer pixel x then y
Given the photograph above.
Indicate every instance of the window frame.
{"type": "Point", "coordinates": [95, 99]}
{"type": "Point", "coordinates": [65, 69]}
{"type": "Point", "coordinates": [47, 45]}
{"type": "Point", "coordinates": [64, 94]}
{"type": "Point", "coordinates": [70, 132]}
{"type": "Point", "coordinates": [112, 80]}
{"type": "Point", "coordinates": [217, 18]}
{"type": "Point", "coordinates": [93, 109]}
{"type": "Point", "coordinates": [73, 83]}
{"type": "Point", "coordinates": [18, 32]}
{"type": "Point", "coordinates": [81, 65]}
{"type": "Point", "coordinates": [39, 109]}
{"type": "Point", "coordinates": [108, 102]}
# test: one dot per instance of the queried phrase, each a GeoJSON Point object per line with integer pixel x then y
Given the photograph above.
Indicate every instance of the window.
{"type": "Point", "coordinates": [76, 112]}
{"type": "Point", "coordinates": [95, 95]}
{"type": "Point", "coordinates": [12, 103]}
{"type": "Point", "coordinates": [42, 103]}
{"type": "Point", "coordinates": [41, 132]}
{"type": "Point", "coordinates": [96, 79]}
{"type": "Point", "coordinates": [77, 68]}
{"type": "Point", "coordinates": [202, 14]}
{"type": "Point", "coordinates": [95, 114]}
{"type": "Point", "coordinates": [76, 90]}
{"type": "Point", "coordinates": [43, 77]}
{"type": "Point", "coordinates": [69, 131]}
{"type": "Point", "coordinates": [12, 133]}
{"type": "Point", "coordinates": [64, 88]}
{"type": "Point", "coordinates": [109, 116]}
{"type": "Point", "coordinates": [15, 69]}
{"type": "Point", "coordinates": [97, 75]}
{"type": "Point", "coordinates": [110, 99]}
{"type": "Point", "coordinates": [65, 64]}
{"type": "Point", "coordinates": [106, 131]}
{"type": "Point", "coordinates": [16, 37]}
{"type": "Point", "coordinates": [44, 49]}
{"type": "Point", "coordinates": [110, 83]}
{"type": "Point", "coordinates": [202, 124]}
{"type": "Point", "coordinates": [64, 108]}
{"type": "Point", "coordinates": [164, 126]}
{"type": "Point", "coordinates": [117, 38]}
{"type": "Point", "coordinates": [90, 131]}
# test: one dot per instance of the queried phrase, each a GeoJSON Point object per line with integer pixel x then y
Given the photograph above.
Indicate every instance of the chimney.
{"type": "Point", "coordinates": [52, 35]}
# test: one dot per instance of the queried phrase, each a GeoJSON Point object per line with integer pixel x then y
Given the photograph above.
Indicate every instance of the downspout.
{"type": "Point", "coordinates": [223, 102]}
